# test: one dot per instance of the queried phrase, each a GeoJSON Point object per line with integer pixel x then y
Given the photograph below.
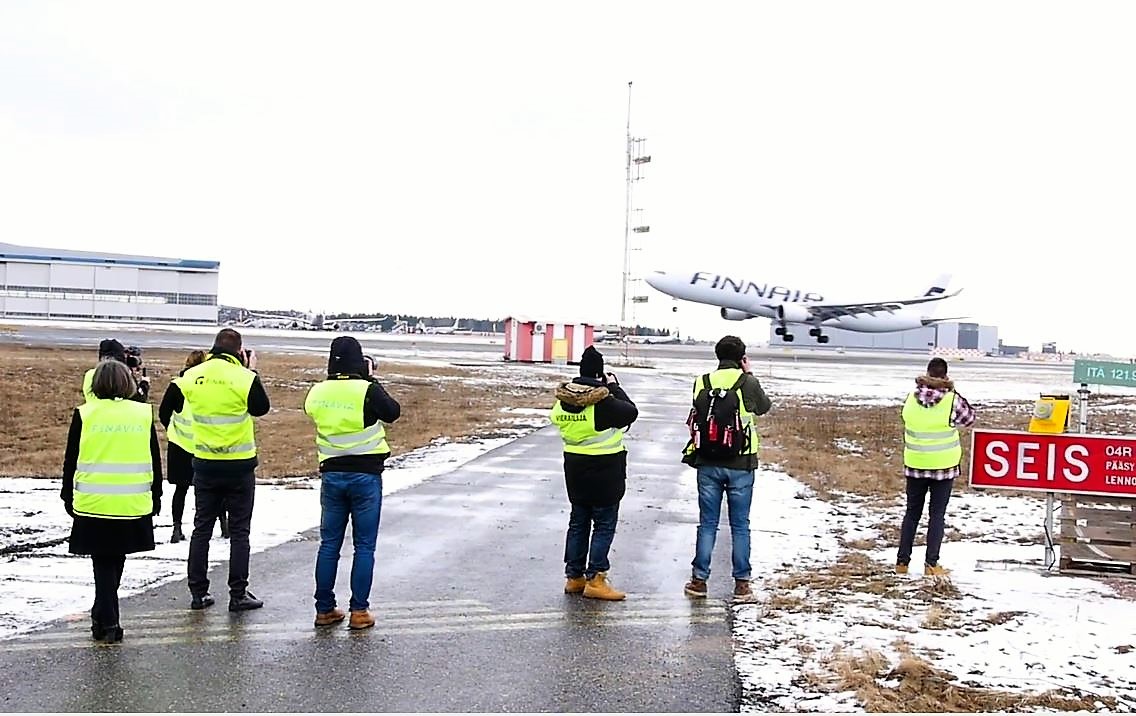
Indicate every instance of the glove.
{"type": "Point", "coordinates": [157, 507]}
{"type": "Point", "coordinates": [70, 508]}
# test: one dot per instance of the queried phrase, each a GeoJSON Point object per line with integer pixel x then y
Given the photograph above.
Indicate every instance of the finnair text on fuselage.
{"type": "Point", "coordinates": [761, 290]}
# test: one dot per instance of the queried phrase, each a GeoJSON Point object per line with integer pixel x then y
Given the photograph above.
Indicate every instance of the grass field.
{"type": "Point", "coordinates": [40, 387]}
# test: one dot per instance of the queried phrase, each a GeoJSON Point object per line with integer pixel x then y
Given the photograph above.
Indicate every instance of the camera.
{"type": "Point", "coordinates": [134, 359]}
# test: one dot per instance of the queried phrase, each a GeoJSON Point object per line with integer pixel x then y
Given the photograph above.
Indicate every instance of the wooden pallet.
{"type": "Point", "coordinates": [1098, 536]}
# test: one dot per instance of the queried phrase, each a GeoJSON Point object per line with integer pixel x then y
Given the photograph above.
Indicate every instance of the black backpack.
{"type": "Point", "coordinates": [715, 421]}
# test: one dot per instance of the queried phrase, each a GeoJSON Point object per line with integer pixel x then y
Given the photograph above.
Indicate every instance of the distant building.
{"type": "Point", "coordinates": [1008, 350]}
{"type": "Point", "coordinates": [87, 285]}
{"type": "Point", "coordinates": [949, 334]}
{"type": "Point", "coordinates": [1050, 347]}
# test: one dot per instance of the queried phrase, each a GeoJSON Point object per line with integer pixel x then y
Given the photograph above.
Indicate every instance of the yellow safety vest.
{"type": "Point", "coordinates": [180, 432]}
{"type": "Point", "coordinates": [88, 381]}
{"type": "Point", "coordinates": [722, 379]}
{"type": "Point", "coordinates": [929, 440]}
{"type": "Point", "coordinates": [578, 431]}
{"type": "Point", "coordinates": [336, 407]}
{"type": "Point", "coordinates": [115, 470]}
{"type": "Point", "coordinates": [217, 394]}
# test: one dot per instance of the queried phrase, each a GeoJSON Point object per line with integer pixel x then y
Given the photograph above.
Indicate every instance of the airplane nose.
{"type": "Point", "coordinates": [655, 278]}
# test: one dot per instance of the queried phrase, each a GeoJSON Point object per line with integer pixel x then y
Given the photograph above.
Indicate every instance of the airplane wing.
{"type": "Point", "coordinates": [827, 311]}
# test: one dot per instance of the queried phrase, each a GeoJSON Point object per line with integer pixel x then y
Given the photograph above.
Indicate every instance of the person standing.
{"type": "Point", "coordinates": [592, 413]}
{"type": "Point", "coordinates": [223, 394]}
{"type": "Point", "coordinates": [111, 349]}
{"type": "Point", "coordinates": [724, 449]}
{"type": "Point", "coordinates": [179, 454]}
{"type": "Point", "coordinates": [112, 486]}
{"type": "Point", "coordinates": [932, 415]}
{"type": "Point", "coordinates": [349, 409]}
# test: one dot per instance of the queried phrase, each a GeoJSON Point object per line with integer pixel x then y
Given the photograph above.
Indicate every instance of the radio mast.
{"type": "Point", "coordinates": [636, 158]}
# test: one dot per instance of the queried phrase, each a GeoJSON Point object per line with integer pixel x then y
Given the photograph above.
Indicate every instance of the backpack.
{"type": "Point", "coordinates": [715, 421]}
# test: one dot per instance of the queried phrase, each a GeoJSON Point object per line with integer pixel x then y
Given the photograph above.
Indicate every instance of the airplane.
{"type": "Point", "coordinates": [307, 321]}
{"type": "Point", "coordinates": [739, 299]}
{"type": "Point", "coordinates": [443, 330]}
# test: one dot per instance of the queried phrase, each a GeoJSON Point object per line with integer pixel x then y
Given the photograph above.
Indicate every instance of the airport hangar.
{"type": "Point", "coordinates": [89, 286]}
{"type": "Point", "coordinates": [949, 335]}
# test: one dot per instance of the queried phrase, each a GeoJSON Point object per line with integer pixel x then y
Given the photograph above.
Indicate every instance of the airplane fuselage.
{"type": "Point", "coordinates": [740, 298]}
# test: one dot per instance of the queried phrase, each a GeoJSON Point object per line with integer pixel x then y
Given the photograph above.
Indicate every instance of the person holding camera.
{"type": "Point", "coordinates": [223, 393]}
{"type": "Point", "coordinates": [349, 408]}
{"type": "Point", "coordinates": [592, 413]}
{"type": "Point", "coordinates": [111, 349]}
{"type": "Point", "coordinates": [112, 486]}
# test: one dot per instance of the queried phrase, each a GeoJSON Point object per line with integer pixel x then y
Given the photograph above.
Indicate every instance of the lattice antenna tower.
{"type": "Point", "coordinates": [635, 227]}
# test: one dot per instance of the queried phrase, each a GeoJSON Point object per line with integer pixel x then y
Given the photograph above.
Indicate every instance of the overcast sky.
{"type": "Point", "coordinates": [468, 157]}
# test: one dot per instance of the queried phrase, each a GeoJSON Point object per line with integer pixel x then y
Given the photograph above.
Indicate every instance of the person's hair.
{"type": "Point", "coordinates": [112, 379]}
{"type": "Point", "coordinates": [937, 368]}
{"type": "Point", "coordinates": [730, 348]}
{"type": "Point", "coordinates": [228, 340]}
{"type": "Point", "coordinates": [194, 358]}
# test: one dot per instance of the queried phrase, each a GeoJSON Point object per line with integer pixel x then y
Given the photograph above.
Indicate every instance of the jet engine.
{"type": "Point", "coordinates": [731, 315]}
{"type": "Point", "coordinates": [792, 313]}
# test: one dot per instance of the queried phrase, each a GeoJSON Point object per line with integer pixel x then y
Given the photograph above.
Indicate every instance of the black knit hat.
{"type": "Point", "coordinates": [346, 357]}
{"type": "Point", "coordinates": [110, 348]}
{"type": "Point", "coordinates": [591, 363]}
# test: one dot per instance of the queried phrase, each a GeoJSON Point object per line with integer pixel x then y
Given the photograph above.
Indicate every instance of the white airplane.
{"type": "Point", "coordinates": [308, 321]}
{"type": "Point", "coordinates": [740, 299]}
{"type": "Point", "coordinates": [443, 330]}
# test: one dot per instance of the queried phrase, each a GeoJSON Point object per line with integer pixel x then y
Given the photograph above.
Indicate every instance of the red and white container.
{"type": "Point", "coordinates": [529, 340]}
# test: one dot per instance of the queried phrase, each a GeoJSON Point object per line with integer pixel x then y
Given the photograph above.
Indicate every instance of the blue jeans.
{"type": "Point", "coordinates": [738, 486]}
{"type": "Point", "coordinates": [580, 559]}
{"type": "Point", "coordinates": [360, 496]}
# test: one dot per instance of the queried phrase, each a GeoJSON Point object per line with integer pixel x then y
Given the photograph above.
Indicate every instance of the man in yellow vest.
{"type": "Point", "coordinates": [110, 349]}
{"type": "Point", "coordinates": [932, 415]}
{"type": "Point", "coordinates": [349, 409]}
{"type": "Point", "coordinates": [592, 412]}
{"type": "Point", "coordinates": [223, 394]}
{"type": "Point", "coordinates": [724, 449]}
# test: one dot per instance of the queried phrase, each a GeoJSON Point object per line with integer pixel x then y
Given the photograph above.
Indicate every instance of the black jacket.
{"type": "Point", "coordinates": [755, 401]}
{"type": "Point", "coordinates": [378, 405]}
{"type": "Point", "coordinates": [258, 405]}
{"type": "Point", "coordinates": [599, 480]}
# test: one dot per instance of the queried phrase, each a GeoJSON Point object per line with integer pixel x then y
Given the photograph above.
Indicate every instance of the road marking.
{"type": "Point", "coordinates": [235, 631]}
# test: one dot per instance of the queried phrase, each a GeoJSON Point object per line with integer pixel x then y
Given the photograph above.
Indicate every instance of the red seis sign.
{"type": "Point", "coordinates": [1085, 464]}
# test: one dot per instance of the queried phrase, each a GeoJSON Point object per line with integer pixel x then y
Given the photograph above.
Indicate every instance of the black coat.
{"type": "Point", "coordinates": [600, 480]}
{"type": "Point", "coordinates": [101, 536]}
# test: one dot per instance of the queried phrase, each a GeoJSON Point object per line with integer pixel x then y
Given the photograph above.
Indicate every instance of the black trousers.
{"type": "Point", "coordinates": [108, 575]}
{"type": "Point", "coordinates": [917, 489]}
{"type": "Point", "coordinates": [213, 494]}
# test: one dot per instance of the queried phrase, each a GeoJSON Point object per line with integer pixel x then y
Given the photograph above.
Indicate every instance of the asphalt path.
{"type": "Point", "coordinates": [468, 597]}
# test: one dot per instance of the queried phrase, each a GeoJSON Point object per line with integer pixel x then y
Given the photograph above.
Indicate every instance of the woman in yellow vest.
{"type": "Point", "coordinates": [112, 486]}
{"type": "Point", "coordinates": [179, 453]}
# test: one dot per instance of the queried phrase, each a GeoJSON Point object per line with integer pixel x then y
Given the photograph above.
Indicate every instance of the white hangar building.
{"type": "Point", "coordinates": [85, 285]}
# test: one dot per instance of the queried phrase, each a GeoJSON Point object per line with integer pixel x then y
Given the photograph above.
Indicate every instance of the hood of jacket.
{"type": "Point", "coordinates": [929, 391]}
{"type": "Point", "coordinates": [580, 393]}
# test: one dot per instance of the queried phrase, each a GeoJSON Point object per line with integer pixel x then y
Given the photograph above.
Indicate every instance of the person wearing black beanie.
{"type": "Point", "coordinates": [349, 409]}
{"type": "Point", "coordinates": [592, 412]}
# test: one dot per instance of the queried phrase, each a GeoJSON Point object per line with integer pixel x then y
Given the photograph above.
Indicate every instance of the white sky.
{"type": "Point", "coordinates": [468, 158]}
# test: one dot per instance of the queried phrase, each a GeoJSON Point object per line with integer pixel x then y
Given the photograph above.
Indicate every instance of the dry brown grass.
{"type": "Point", "coordinates": [802, 435]}
{"type": "Point", "coordinates": [40, 387]}
{"type": "Point", "coordinates": [913, 685]}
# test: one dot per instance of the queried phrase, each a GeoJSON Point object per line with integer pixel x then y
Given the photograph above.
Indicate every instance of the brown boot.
{"type": "Point", "coordinates": [742, 591]}
{"type": "Point", "coordinates": [575, 585]}
{"type": "Point", "coordinates": [328, 618]}
{"type": "Point", "coordinates": [361, 619]}
{"type": "Point", "coordinates": [598, 588]}
{"type": "Point", "coordinates": [695, 588]}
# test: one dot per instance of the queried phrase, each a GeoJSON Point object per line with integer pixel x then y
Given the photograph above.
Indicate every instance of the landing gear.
{"type": "Point", "coordinates": [816, 333]}
{"type": "Point", "coordinates": [783, 331]}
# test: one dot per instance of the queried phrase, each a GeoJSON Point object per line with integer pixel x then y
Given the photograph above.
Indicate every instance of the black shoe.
{"type": "Point", "coordinates": [112, 635]}
{"type": "Point", "coordinates": [177, 536]}
{"type": "Point", "coordinates": [224, 526]}
{"type": "Point", "coordinates": [245, 602]}
{"type": "Point", "coordinates": [201, 602]}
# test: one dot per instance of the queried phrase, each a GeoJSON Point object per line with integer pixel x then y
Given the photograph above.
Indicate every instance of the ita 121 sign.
{"type": "Point", "coordinates": [1083, 464]}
